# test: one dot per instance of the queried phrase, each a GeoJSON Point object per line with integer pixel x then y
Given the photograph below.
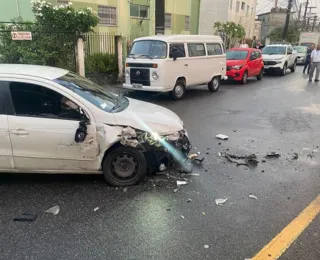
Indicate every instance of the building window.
{"type": "Point", "coordinates": [167, 21]}
{"type": "Point", "coordinates": [248, 8]}
{"type": "Point", "coordinates": [187, 23]}
{"type": "Point", "coordinates": [141, 11]}
{"type": "Point", "coordinates": [107, 15]}
{"type": "Point", "coordinates": [243, 6]}
{"type": "Point", "coordinates": [196, 49]}
{"type": "Point", "coordinates": [231, 4]}
{"type": "Point", "coordinates": [62, 2]}
{"type": "Point", "coordinates": [238, 6]}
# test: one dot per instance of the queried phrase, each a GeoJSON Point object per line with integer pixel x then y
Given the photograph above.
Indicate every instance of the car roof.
{"type": "Point", "coordinates": [183, 38]}
{"type": "Point", "coordinates": [244, 49]}
{"type": "Point", "coordinates": [279, 45]}
{"type": "Point", "coordinates": [45, 72]}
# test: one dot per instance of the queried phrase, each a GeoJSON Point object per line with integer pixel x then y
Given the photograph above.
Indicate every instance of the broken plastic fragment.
{"type": "Point", "coordinates": [193, 174]}
{"type": "Point", "coordinates": [203, 213]}
{"type": "Point", "coordinates": [162, 167]}
{"type": "Point", "coordinates": [125, 189]}
{"type": "Point", "coordinates": [180, 183]}
{"type": "Point", "coordinates": [96, 209]}
{"type": "Point", "coordinates": [252, 197]}
{"type": "Point", "coordinates": [26, 217]}
{"type": "Point", "coordinates": [54, 210]}
{"type": "Point", "coordinates": [182, 217]}
{"type": "Point", "coordinates": [222, 137]}
{"type": "Point", "coordinates": [248, 160]}
{"type": "Point", "coordinates": [295, 156]}
{"type": "Point", "coordinates": [175, 190]}
{"type": "Point", "coordinates": [189, 200]}
{"type": "Point", "coordinates": [221, 201]}
{"type": "Point", "coordinates": [273, 155]}
{"type": "Point", "coordinates": [193, 156]}
{"type": "Point", "coordinates": [206, 246]}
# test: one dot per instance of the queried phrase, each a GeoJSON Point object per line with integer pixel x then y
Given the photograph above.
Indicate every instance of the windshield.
{"type": "Point", "coordinates": [95, 94]}
{"type": "Point", "coordinates": [149, 49]}
{"type": "Point", "coordinates": [280, 50]}
{"type": "Point", "coordinates": [300, 49]}
{"type": "Point", "coordinates": [307, 44]}
{"type": "Point", "coordinates": [237, 55]}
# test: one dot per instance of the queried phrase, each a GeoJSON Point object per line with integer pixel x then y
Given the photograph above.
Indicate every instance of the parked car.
{"type": "Point", "coordinates": [279, 58]}
{"type": "Point", "coordinates": [243, 63]}
{"type": "Point", "coordinates": [171, 63]}
{"type": "Point", "coordinates": [301, 54]}
{"type": "Point", "coordinates": [54, 121]}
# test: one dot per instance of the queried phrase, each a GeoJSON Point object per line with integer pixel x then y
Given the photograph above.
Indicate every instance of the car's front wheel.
{"type": "Point", "coordinates": [293, 69]}
{"type": "Point", "coordinates": [283, 72]}
{"type": "Point", "coordinates": [124, 166]}
{"type": "Point", "coordinates": [244, 79]}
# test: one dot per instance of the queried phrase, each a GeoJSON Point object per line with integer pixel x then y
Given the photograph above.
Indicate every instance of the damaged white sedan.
{"type": "Point", "coordinates": [54, 121]}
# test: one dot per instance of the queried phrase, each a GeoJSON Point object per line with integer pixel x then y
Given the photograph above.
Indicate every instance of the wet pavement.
{"type": "Point", "coordinates": [151, 221]}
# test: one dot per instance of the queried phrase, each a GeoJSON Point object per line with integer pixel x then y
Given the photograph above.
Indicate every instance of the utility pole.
{"type": "Point", "coordinates": [308, 23]}
{"type": "Point", "coordinates": [305, 15]}
{"type": "Point", "coordinates": [314, 22]}
{"type": "Point", "coordinates": [299, 14]}
{"type": "Point", "coordinates": [286, 27]}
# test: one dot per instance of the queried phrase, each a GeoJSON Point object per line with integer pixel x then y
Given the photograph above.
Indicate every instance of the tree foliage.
{"type": "Point", "coordinates": [277, 33]}
{"type": "Point", "coordinates": [230, 32]}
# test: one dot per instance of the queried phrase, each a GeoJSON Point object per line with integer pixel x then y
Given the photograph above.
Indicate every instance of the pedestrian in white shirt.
{"type": "Point", "coordinates": [243, 44]}
{"type": "Point", "coordinates": [315, 64]}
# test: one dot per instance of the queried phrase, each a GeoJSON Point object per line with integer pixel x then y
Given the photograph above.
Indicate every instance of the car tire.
{"type": "Point", "coordinates": [283, 72]}
{"type": "Point", "coordinates": [293, 69]}
{"type": "Point", "coordinates": [124, 166]}
{"type": "Point", "coordinates": [178, 91]}
{"type": "Point", "coordinates": [244, 79]}
{"type": "Point", "coordinates": [260, 75]}
{"type": "Point", "coordinates": [214, 84]}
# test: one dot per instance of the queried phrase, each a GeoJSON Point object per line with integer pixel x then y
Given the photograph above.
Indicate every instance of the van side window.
{"type": "Point", "coordinates": [196, 49]}
{"type": "Point", "coordinates": [214, 49]}
{"type": "Point", "coordinates": [177, 48]}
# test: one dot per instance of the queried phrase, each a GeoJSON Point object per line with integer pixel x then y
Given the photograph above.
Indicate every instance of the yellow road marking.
{"type": "Point", "coordinates": [290, 233]}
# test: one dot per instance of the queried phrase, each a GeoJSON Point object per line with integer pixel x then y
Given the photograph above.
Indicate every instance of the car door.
{"type": "Point", "coordinates": [196, 63]}
{"type": "Point", "coordinates": [291, 56]}
{"type": "Point", "coordinates": [178, 67]}
{"type": "Point", "coordinates": [251, 60]}
{"type": "Point", "coordinates": [258, 62]}
{"type": "Point", "coordinates": [6, 159]}
{"type": "Point", "coordinates": [43, 129]}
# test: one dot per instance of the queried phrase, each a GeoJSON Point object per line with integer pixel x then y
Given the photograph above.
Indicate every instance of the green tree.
{"type": "Point", "coordinates": [230, 32]}
{"type": "Point", "coordinates": [276, 34]}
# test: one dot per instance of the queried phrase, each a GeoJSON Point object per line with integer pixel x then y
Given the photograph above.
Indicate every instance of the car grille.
{"type": "Point", "coordinates": [140, 76]}
{"type": "Point", "coordinates": [270, 63]}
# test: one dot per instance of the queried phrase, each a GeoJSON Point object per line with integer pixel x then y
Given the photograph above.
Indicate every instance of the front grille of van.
{"type": "Point", "coordinates": [140, 76]}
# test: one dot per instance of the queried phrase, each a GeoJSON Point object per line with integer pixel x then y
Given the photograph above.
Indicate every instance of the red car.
{"type": "Point", "coordinates": [243, 63]}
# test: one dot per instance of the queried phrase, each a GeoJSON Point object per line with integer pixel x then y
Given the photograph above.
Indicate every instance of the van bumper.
{"type": "Point", "coordinates": [145, 88]}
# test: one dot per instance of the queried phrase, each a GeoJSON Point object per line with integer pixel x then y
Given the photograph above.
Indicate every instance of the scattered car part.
{"type": "Point", "coordinates": [54, 210]}
{"type": "Point", "coordinates": [272, 155]}
{"type": "Point", "coordinates": [26, 217]}
{"type": "Point", "coordinates": [181, 183]}
{"type": "Point", "coordinates": [222, 137]}
{"type": "Point", "coordinates": [250, 160]}
{"type": "Point", "coordinates": [220, 202]}
{"type": "Point", "coordinates": [252, 197]}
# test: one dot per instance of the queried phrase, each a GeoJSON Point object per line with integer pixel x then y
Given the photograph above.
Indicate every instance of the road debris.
{"type": "Point", "coordinates": [253, 197]}
{"type": "Point", "coordinates": [189, 200]}
{"type": "Point", "coordinates": [26, 217]}
{"type": "Point", "coordinates": [206, 246]}
{"type": "Point", "coordinates": [193, 174]}
{"type": "Point", "coordinates": [175, 190]}
{"type": "Point", "coordinates": [249, 160]}
{"type": "Point", "coordinates": [162, 167]}
{"type": "Point", "coordinates": [272, 155]}
{"type": "Point", "coordinates": [220, 202]}
{"type": "Point", "coordinates": [181, 183]}
{"type": "Point", "coordinates": [54, 210]}
{"type": "Point", "coordinates": [96, 209]}
{"type": "Point", "coordinates": [295, 156]}
{"type": "Point", "coordinates": [125, 189]}
{"type": "Point", "coordinates": [182, 217]}
{"type": "Point", "coordinates": [222, 137]}
{"type": "Point", "coordinates": [195, 157]}
{"type": "Point", "coordinates": [203, 213]}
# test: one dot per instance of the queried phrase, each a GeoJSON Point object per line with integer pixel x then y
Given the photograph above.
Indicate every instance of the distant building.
{"type": "Point", "coordinates": [274, 19]}
{"type": "Point", "coordinates": [257, 29]}
{"type": "Point", "coordinates": [10, 9]}
{"type": "Point", "coordinates": [239, 11]}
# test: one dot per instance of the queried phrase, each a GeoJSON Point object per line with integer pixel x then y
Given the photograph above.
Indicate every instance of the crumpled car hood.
{"type": "Point", "coordinates": [148, 117]}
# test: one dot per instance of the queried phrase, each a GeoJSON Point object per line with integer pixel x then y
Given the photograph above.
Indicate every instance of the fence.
{"type": "Point", "coordinates": [99, 43]}
{"type": "Point", "coordinates": [46, 48]}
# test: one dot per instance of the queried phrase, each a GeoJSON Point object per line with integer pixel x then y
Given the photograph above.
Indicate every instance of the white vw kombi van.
{"type": "Point", "coordinates": [171, 63]}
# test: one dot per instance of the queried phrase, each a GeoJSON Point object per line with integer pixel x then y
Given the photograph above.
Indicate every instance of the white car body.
{"type": "Point", "coordinates": [43, 144]}
{"type": "Point", "coordinates": [277, 62]}
{"type": "Point", "coordinates": [161, 73]}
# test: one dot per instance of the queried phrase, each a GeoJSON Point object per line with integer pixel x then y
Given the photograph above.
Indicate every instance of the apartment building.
{"type": "Point", "coordinates": [238, 11]}
{"type": "Point", "coordinates": [257, 29]}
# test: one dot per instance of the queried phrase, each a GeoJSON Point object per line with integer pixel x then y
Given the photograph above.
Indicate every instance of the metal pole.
{"type": "Point", "coordinates": [286, 27]}
{"type": "Point", "coordinates": [18, 8]}
{"type": "Point", "coordinates": [299, 14]}
{"type": "Point", "coordinates": [308, 23]}
{"type": "Point", "coordinates": [314, 22]}
{"type": "Point", "coordinates": [305, 15]}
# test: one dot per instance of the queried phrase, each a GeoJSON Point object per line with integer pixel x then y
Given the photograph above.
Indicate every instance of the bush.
{"type": "Point", "coordinates": [101, 63]}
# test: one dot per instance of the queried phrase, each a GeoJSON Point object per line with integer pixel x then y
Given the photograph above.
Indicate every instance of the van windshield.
{"type": "Point", "coordinates": [149, 49]}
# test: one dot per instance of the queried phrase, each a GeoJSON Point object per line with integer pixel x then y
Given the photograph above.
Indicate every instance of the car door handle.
{"type": "Point", "coordinates": [20, 132]}
{"type": "Point", "coordinates": [186, 65]}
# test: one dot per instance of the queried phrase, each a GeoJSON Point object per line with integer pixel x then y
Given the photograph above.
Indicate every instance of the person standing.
{"type": "Point", "coordinates": [260, 46]}
{"type": "Point", "coordinates": [315, 64]}
{"type": "Point", "coordinates": [243, 44]}
{"type": "Point", "coordinates": [308, 59]}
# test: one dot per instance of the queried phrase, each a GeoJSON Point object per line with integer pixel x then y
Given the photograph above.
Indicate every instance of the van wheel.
{"type": "Point", "coordinates": [214, 84]}
{"type": "Point", "coordinates": [124, 166]}
{"type": "Point", "coordinates": [178, 91]}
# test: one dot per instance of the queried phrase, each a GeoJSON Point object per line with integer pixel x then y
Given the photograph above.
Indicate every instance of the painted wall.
{"type": "Point", "coordinates": [179, 9]}
{"type": "Point", "coordinates": [8, 10]}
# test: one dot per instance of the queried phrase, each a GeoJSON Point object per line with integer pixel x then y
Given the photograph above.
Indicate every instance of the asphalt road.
{"type": "Point", "coordinates": [151, 221]}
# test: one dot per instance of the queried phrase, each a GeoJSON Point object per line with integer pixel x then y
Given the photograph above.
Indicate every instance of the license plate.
{"type": "Point", "coordinates": [136, 85]}
{"type": "Point", "coordinates": [266, 67]}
